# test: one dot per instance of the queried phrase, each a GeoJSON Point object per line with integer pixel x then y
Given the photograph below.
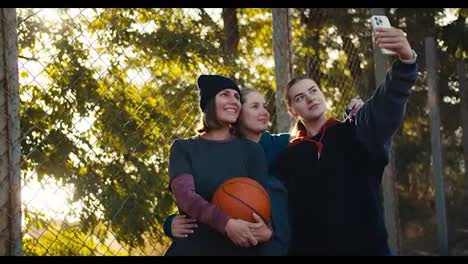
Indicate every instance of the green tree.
{"type": "Point", "coordinates": [91, 60]}
{"type": "Point", "coordinates": [119, 85]}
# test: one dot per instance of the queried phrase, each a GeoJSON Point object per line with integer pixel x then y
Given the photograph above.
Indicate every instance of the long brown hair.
{"type": "Point", "coordinates": [208, 120]}
{"type": "Point", "coordinates": [298, 127]}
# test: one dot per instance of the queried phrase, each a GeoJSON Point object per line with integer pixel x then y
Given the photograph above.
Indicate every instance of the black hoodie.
{"type": "Point", "coordinates": [334, 178]}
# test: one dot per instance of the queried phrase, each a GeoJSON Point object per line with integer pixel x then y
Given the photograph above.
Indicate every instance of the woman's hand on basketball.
{"type": "Point", "coordinates": [239, 232]}
{"type": "Point", "coordinates": [182, 226]}
{"type": "Point", "coordinates": [259, 229]}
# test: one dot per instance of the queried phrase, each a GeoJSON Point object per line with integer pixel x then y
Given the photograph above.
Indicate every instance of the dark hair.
{"type": "Point", "coordinates": [208, 119]}
{"type": "Point", "coordinates": [298, 127]}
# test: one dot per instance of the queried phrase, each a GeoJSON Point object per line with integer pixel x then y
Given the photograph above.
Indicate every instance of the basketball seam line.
{"type": "Point", "coordinates": [256, 187]}
{"type": "Point", "coordinates": [228, 193]}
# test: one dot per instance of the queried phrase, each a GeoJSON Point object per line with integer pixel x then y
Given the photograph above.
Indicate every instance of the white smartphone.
{"type": "Point", "coordinates": [381, 22]}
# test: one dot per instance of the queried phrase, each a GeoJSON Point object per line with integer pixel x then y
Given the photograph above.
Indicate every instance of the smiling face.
{"type": "Point", "coordinates": [228, 106]}
{"type": "Point", "coordinates": [306, 101]}
{"type": "Point", "coordinates": [254, 116]}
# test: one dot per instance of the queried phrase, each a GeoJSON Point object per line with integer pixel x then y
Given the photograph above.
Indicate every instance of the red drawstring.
{"type": "Point", "coordinates": [303, 137]}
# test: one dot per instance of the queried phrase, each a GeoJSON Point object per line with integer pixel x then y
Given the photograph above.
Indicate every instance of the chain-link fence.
{"type": "Point", "coordinates": [104, 92]}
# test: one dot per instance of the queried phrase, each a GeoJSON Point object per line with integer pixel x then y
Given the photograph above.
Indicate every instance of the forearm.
{"type": "Point", "coordinates": [197, 207]}
{"type": "Point", "coordinates": [383, 113]}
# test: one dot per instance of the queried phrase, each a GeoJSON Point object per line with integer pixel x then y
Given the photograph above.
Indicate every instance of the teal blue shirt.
{"type": "Point", "coordinates": [272, 145]}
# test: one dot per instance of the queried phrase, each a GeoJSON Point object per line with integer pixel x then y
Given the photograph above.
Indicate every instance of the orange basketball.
{"type": "Point", "coordinates": [240, 197]}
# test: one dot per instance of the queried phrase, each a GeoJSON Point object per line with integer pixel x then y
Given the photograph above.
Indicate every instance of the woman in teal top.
{"type": "Point", "coordinates": [253, 123]}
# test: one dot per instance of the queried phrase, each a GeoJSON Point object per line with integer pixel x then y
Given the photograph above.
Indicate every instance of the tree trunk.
{"type": "Point", "coordinates": [283, 64]}
{"type": "Point", "coordinates": [463, 88]}
{"type": "Point", "coordinates": [10, 152]}
{"type": "Point", "coordinates": [231, 31]}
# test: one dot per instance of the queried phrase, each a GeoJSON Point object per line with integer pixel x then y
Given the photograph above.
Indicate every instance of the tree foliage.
{"type": "Point", "coordinates": [117, 86]}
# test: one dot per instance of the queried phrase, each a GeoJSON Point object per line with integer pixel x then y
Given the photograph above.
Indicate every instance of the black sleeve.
{"type": "Point", "coordinates": [383, 113]}
{"type": "Point", "coordinates": [280, 168]}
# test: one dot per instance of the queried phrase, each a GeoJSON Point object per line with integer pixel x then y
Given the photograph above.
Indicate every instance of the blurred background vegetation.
{"type": "Point", "coordinates": [104, 92]}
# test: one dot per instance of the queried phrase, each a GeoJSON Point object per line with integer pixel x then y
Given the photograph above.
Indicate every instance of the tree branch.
{"type": "Point", "coordinates": [28, 58]}
{"type": "Point", "coordinates": [26, 18]}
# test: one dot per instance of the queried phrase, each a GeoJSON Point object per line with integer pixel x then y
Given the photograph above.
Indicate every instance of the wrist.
{"type": "Point", "coordinates": [409, 59]}
{"type": "Point", "coordinates": [167, 226]}
{"type": "Point", "coordinates": [227, 225]}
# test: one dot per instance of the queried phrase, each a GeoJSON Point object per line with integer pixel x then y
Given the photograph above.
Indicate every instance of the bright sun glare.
{"type": "Point", "coordinates": [49, 198]}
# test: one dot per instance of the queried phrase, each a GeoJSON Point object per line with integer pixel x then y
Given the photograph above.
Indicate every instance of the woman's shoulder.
{"type": "Point", "coordinates": [280, 140]}
{"type": "Point", "coordinates": [185, 141]}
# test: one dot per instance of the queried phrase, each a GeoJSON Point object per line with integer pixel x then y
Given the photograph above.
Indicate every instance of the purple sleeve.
{"type": "Point", "coordinates": [183, 188]}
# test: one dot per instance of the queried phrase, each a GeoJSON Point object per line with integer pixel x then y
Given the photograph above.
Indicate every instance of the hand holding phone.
{"type": "Point", "coordinates": [392, 41]}
{"type": "Point", "coordinates": [381, 22]}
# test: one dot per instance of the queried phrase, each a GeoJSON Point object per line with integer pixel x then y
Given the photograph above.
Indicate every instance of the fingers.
{"type": "Point", "coordinates": [258, 221]}
{"type": "Point", "coordinates": [188, 226]}
{"type": "Point", "coordinates": [183, 234]}
{"type": "Point", "coordinates": [352, 103]}
{"type": "Point", "coordinates": [180, 216]}
{"type": "Point", "coordinates": [244, 243]}
{"type": "Point", "coordinates": [183, 218]}
{"type": "Point", "coordinates": [251, 239]}
{"type": "Point", "coordinates": [185, 229]}
{"type": "Point", "coordinates": [256, 225]}
{"type": "Point", "coordinates": [182, 227]}
{"type": "Point", "coordinates": [390, 30]}
{"type": "Point", "coordinates": [257, 218]}
{"type": "Point", "coordinates": [391, 45]}
{"type": "Point", "coordinates": [388, 40]}
{"type": "Point", "coordinates": [182, 222]}
{"type": "Point", "coordinates": [239, 233]}
{"type": "Point", "coordinates": [353, 106]}
{"type": "Point", "coordinates": [389, 35]}
{"type": "Point", "coordinates": [248, 239]}
{"type": "Point", "coordinates": [395, 40]}
{"type": "Point", "coordinates": [357, 107]}
{"type": "Point", "coordinates": [187, 221]}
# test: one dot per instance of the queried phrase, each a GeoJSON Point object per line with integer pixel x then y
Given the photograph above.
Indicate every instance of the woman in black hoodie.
{"type": "Point", "coordinates": [333, 169]}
